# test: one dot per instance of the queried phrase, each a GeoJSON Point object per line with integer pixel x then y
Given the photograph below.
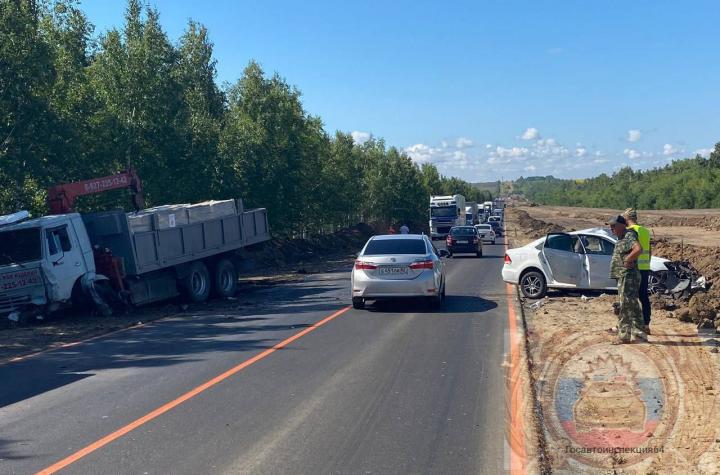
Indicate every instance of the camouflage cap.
{"type": "Point", "coordinates": [616, 220]}
{"type": "Point", "coordinates": [630, 213]}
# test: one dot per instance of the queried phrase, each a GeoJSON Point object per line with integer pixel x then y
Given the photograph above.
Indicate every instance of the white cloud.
{"type": "Point", "coordinates": [547, 142]}
{"type": "Point", "coordinates": [633, 135]}
{"type": "Point", "coordinates": [599, 161]}
{"type": "Point", "coordinates": [444, 144]}
{"type": "Point", "coordinates": [632, 154]}
{"type": "Point", "coordinates": [580, 152]}
{"type": "Point", "coordinates": [704, 152]}
{"type": "Point", "coordinates": [360, 137]}
{"type": "Point", "coordinates": [530, 133]}
{"type": "Point", "coordinates": [421, 153]}
{"type": "Point", "coordinates": [514, 152]}
{"type": "Point", "coordinates": [463, 142]}
{"type": "Point", "coordinates": [488, 146]}
{"type": "Point", "coordinates": [668, 149]}
{"type": "Point", "coordinates": [530, 168]}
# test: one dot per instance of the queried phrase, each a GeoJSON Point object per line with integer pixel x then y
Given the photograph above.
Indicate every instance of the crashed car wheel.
{"type": "Point", "coordinates": [657, 283]}
{"type": "Point", "coordinates": [533, 285]}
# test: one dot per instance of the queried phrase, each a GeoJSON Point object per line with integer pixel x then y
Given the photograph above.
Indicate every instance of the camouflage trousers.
{"type": "Point", "coordinates": [630, 319]}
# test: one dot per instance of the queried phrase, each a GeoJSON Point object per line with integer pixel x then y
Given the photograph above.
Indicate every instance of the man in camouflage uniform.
{"type": "Point", "coordinates": [623, 268]}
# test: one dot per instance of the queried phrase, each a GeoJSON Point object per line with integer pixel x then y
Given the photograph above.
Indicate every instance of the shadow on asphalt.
{"type": "Point", "coordinates": [7, 454]}
{"type": "Point", "coordinates": [455, 304]}
{"type": "Point", "coordinates": [243, 325]}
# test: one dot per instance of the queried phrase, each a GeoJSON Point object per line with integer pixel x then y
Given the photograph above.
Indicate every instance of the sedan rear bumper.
{"type": "Point", "coordinates": [510, 275]}
{"type": "Point", "coordinates": [421, 286]}
{"type": "Point", "coordinates": [464, 248]}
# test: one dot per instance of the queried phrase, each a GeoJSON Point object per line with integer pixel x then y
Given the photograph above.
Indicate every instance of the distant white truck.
{"type": "Point", "coordinates": [446, 212]}
{"type": "Point", "coordinates": [471, 213]}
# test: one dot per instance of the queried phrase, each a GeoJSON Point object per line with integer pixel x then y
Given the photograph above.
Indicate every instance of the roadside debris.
{"type": "Point", "coordinates": [537, 304]}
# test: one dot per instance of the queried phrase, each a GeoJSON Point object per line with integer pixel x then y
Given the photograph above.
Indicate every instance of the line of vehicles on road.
{"type": "Point", "coordinates": [410, 266]}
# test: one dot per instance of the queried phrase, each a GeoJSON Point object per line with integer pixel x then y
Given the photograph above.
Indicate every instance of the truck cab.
{"type": "Point", "coordinates": [42, 261]}
{"type": "Point", "coordinates": [446, 212]}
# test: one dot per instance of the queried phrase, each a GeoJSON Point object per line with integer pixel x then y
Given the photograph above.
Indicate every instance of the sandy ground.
{"type": "Point", "coordinates": [636, 408]}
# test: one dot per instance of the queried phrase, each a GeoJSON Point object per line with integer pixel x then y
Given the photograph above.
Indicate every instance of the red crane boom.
{"type": "Point", "coordinates": [61, 198]}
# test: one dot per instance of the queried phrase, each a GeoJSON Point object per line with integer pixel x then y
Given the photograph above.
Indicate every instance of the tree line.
{"type": "Point", "coordinates": [75, 106]}
{"type": "Point", "coordinates": [682, 184]}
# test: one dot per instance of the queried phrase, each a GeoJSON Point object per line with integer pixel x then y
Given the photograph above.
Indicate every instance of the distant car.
{"type": "Point", "coordinates": [398, 266]}
{"type": "Point", "coordinates": [464, 240]}
{"type": "Point", "coordinates": [495, 219]}
{"type": "Point", "coordinates": [577, 260]}
{"type": "Point", "coordinates": [497, 227]}
{"type": "Point", "coordinates": [485, 232]}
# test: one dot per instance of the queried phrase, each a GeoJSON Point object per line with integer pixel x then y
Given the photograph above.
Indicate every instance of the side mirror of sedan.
{"type": "Point", "coordinates": [443, 253]}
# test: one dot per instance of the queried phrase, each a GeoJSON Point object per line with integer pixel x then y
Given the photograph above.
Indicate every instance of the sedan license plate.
{"type": "Point", "coordinates": [462, 241]}
{"type": "Point", "coordinates": [393, 270]}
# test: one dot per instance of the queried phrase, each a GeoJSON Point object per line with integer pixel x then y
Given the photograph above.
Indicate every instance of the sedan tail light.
{"type": "Point", "coordinates": [507, 259]}
{"type": "Point", "coordinates": [448, 240]}
{"type": "Point", "coordinates": [423, 265]}
{"type": "Point", "coordinates": [360, 265]}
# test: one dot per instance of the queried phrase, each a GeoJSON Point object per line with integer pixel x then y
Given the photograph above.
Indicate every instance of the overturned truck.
{"type": "Point", "coordinates": [133, 258]}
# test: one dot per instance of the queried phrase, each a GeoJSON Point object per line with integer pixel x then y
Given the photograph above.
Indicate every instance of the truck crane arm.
{"type": "Point", "coordinates": [61, 198]}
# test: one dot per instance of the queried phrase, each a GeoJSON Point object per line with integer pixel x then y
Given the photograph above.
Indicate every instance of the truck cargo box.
{"type": "Point", "coordinates": [216, 227]}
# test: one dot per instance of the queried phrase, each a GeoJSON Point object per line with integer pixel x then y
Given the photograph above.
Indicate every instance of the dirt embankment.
{"type": "Point", "coordinates": [638, 408]}
{"type": "Point", "coordinates": [269, 263]}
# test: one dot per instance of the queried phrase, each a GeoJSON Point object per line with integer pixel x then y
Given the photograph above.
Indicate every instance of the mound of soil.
{"type": "Point", "coordinates": [534, 228]}
{"type": "Point", "coordinates": [283, 252]}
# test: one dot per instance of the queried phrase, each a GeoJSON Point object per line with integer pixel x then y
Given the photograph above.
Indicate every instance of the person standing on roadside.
{"type": "Point", "coordinates": [623, 268]}
{"type": "Point", "coordinates": [404, 229]}
{"type": "Point", "coordinates": [643, 264]}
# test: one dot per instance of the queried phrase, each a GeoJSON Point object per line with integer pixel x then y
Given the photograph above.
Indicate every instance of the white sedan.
{"type": "Point", "coordinates": [576, 260]}
{"type": "Point", "coordinates": [485, 233]}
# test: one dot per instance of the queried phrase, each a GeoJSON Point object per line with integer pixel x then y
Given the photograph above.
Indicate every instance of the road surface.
{"type": "Point", "coordinates": [395, 388]}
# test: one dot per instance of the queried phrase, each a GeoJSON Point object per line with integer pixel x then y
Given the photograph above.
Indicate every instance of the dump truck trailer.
{"type": "Point", "coordinates": [136, 258]}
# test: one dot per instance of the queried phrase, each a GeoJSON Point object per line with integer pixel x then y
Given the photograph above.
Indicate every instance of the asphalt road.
{"type": "Point", "coordinates": [395, 388]}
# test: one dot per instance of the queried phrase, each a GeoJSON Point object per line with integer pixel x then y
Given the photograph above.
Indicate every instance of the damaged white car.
{"type": "Point", "coordinates": [576, 260]}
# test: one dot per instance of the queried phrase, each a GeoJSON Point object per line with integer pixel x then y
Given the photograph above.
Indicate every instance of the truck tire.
{"type": "Point", "coordinates": [196, 284]}
{"type": "Point", "coordinates": [225, 279]}
{"type": "Point", "coordinates": [358, 303]}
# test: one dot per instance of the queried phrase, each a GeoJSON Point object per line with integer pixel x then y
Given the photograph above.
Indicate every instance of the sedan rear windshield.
{"type": "Point", "coordinates": [380, 247]}
{"type": "Point", "coordinates": [484, 226]}
{"type": "Point", "coordinates": [463, 231]}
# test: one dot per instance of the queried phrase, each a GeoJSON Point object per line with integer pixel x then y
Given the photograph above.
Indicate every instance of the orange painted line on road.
{"type": "Point", "coordinates": [516, 436]}
{"type": "Point", "coordinates": [188, 395]}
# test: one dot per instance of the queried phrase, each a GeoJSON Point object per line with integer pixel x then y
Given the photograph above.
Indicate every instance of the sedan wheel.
{"type": "Point", "coordinates": [532, 285]}
{"type": "Point", "coordinates": [657, 283]}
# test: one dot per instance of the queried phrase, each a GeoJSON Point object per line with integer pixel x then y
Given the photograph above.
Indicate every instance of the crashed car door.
{"type": "Point", "coordinates": [598, 253]}
{"type": "Point", "coordinates": [565, 264]}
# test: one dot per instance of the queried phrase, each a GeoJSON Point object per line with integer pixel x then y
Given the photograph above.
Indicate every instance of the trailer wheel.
{"type": "Point", "coordinates": [196, 284]}
{"type": "Point", "coordinates": [225, 279]}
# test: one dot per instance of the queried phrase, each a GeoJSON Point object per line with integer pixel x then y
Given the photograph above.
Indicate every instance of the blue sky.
{"type": "Point", "coordinates": [483, 89]}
